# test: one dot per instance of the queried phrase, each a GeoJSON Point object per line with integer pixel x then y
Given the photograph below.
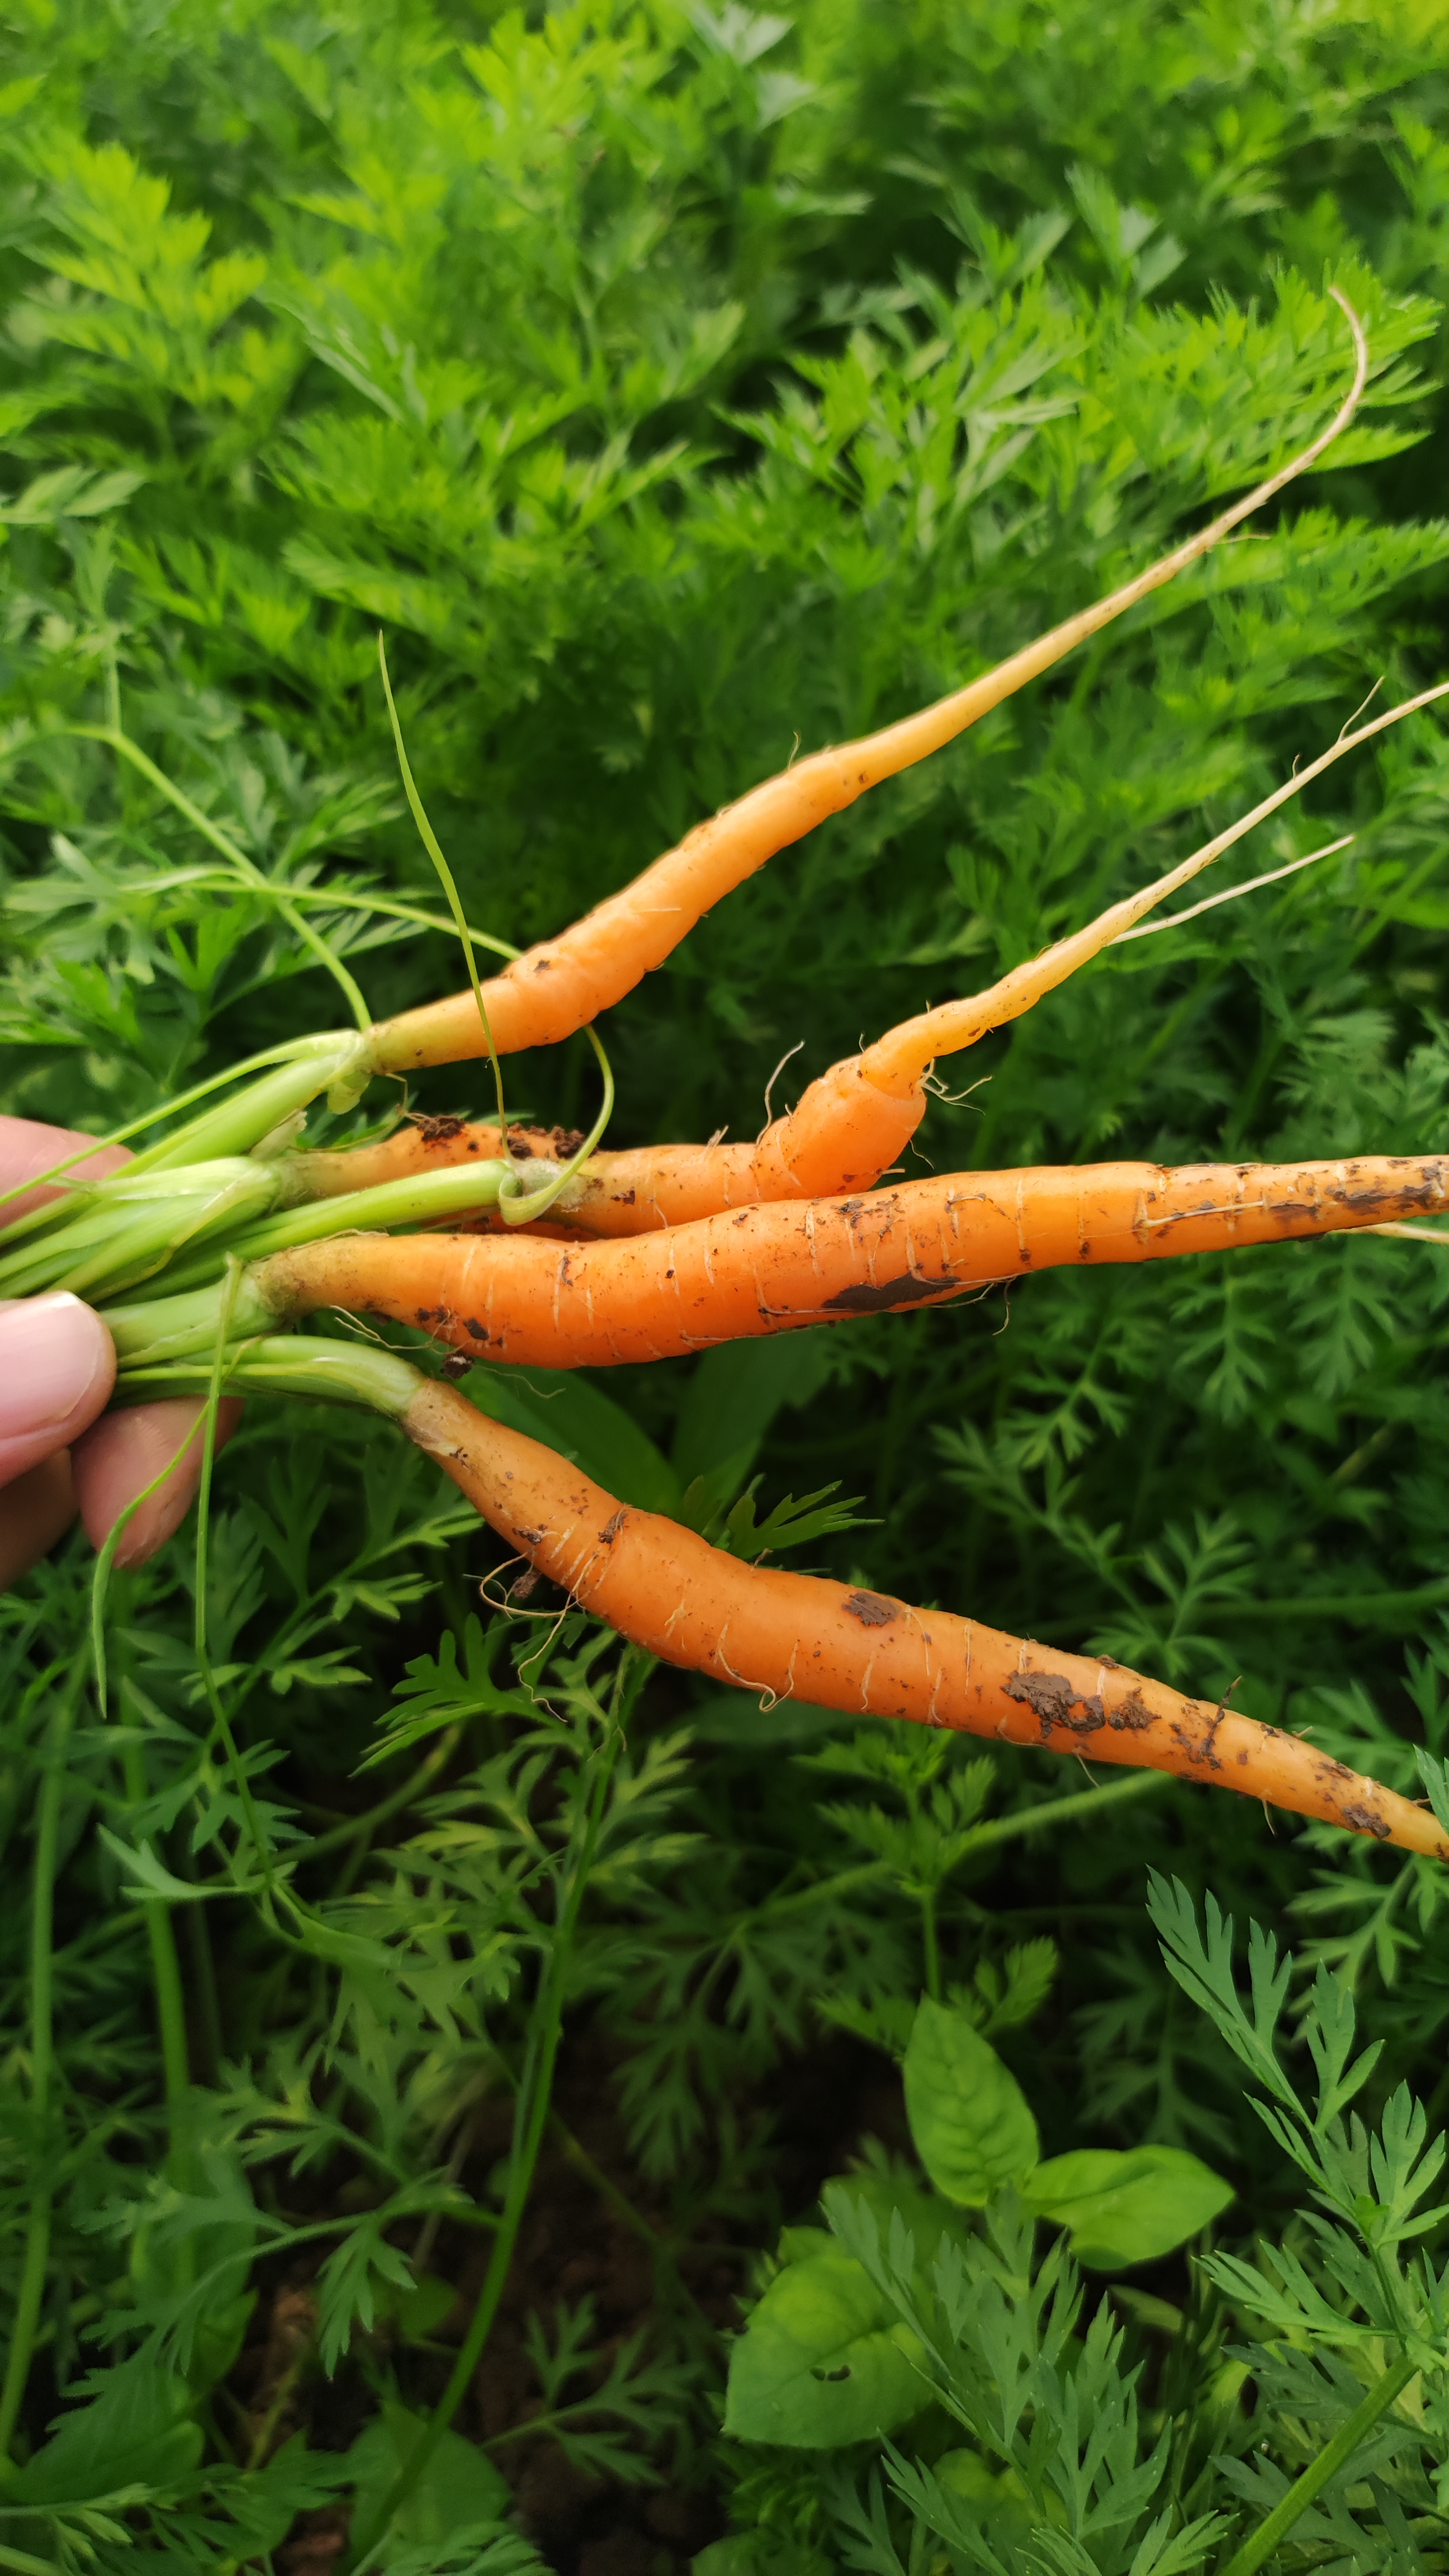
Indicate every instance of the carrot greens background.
{"type": "Point", "coordinates": [672, 385]}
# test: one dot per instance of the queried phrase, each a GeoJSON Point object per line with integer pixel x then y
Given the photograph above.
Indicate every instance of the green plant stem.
{"type": "Point", "coordinates": [170, 1994]}
{"type": "Point", "coordinates": [1003, 1829]}
{"type": "Point", "coordinates": [531, 2118]}
{"type": "Point", "coordinates": [210, 2036]}
{"type": "Point", "coordinates": [930, 1944]}
{"type": "Point", "coordinates": [434, 850]}
{"type": "Point", "coordinates": [1330, 2460]}
{"type": "Point", "coordinates": [249, 874]}
{"type": "Point", "coordinates": [360, 1829]}
{"type": "Point", "coordinates": [42, 2059]}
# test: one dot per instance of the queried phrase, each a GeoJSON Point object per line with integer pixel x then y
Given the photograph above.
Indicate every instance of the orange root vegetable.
{"type": "Point", "coordinates": [767, 1269]}
{"type": "Point", "coordinates": [853, 1122]}
{"type": "Point", "coordinates": [564, 983]}
{"type": "Point", "coordinates": [419, 1145]}
{"type": "Point", "coordinates": [840, 1136]}
{"type": "Point", "coordinates": [794, 1636]}
{"type": "Point", "coordinates": [906, 1053]}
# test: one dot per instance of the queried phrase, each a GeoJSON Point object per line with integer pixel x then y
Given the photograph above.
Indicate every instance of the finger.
{"type": "Point", "coordinates": [118, 1459]}
{"type": "Point", "coordinates": [34, 1511]}
{"type": "Point", "coordinates": [57, 1369]}
{"type": "Point", "coordinates": [27, 1148]}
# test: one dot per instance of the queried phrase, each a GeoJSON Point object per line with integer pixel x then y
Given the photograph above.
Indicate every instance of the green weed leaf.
{"type": "Point", "coordinates": [969, 2117]}
{"type": "Point", "coordinates": [1120, 2209]}
{"type": "Point", "coordinates": [822, 2361]}
{"type": "Point", "coordinates": [459, 2487]}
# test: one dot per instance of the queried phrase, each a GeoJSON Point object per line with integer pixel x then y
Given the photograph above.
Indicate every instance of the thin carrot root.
{"type": "Point", "coordinates": [564, 983]}
{"type": "Point", "coordinates": [856, 1119]}
{"type": "Point", "coordinates": [842, 1135]}
{"type": "Point", "coordinates": [907, 1052]}
{"type": "Point", "coordinates": [771, 1269]}
{"type": "Point", "coordinates": [794, 1636]}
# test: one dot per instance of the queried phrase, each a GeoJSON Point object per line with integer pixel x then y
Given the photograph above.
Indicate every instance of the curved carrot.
{"type": "Point", "coordinates": [794, 1636]}
{"type": "Point", "coordinates": [906, 1052]}
{"type": "Point", "coordinates": [767, 1269]}
{"type": "Point", "coordinates": [841, 1135]}
{"type": "Point", "coordinates": [853, 1122]}
{"type": "Point", "coordinates": [562, 984]}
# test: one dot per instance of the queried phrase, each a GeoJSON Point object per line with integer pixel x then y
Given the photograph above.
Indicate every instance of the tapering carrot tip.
{"type": "Point", "coordinates": [566, 982]}
{"type": "Point", "coordinates": [832, 1645]}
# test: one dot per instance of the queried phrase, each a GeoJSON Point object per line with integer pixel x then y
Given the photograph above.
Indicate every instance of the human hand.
{"type": "Point", "coordinates": [57, 1369]}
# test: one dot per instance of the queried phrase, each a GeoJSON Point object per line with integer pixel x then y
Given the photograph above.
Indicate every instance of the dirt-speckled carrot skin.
{"type": "Point", "coordinates": [770, 1269]}
{"type": "Point", "coordinates": [795, 1636]}
{"type": "Point", "coordinates": [841, 1136]}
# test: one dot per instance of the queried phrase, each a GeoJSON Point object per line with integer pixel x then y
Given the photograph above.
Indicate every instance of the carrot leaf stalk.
{"type": "Point", "coordinates": [446, 879]}
{"type": "Point", "coordinates": [292, 1077]}
{"type": "Point", "coordinates": [518, 1204]}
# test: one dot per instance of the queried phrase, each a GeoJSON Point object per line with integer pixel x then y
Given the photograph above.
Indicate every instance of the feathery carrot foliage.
{"type": "Point", "coordinates": [669, 382]}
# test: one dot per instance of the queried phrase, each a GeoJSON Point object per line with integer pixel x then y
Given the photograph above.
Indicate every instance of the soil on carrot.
{"type": "Point", "coordinates": [578, 2242]}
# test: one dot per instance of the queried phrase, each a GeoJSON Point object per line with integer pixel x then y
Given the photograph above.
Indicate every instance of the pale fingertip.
{"type": "Point", "coordinates": [57, 1369]}
{"type": "Point", "coordinates": [35, 1511]}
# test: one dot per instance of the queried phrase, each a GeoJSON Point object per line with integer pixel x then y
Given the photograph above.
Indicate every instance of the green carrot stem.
{"type": "Point", "coordinates": [325, 898]}
{"type": "Point", "coordinates": [519, 1206]}
{"type": "Point", "coordinates": [1334, 2456]}
{"type": "Point", "coordinates": [170, 1997]}
{"type": "Point", "coordinates": [42, 2059]}
{"type": "Point", "coordinates": [242, 1123]}
{"type": "Point", "coordinates": [167, 1329]}
{"type": "Point", "coordinates": [418, 1200]}
{"type": "Point", "coordinates": [221, 1723]}
{"type": "Point", "coordinates": [434, 850]}
{"type": "Point", "coordinates": [421, 1199]}
{"type": "Point", "coordinates": [346, 1049]}
{"type": "Point", "coordinates": [139, 1225]}
{"type": "Point", "coordinates": [534, 2100]}
{"type": "Point", "coordinates": [248, 873]}
{"type": "Point", "coordinates": [325, 1372]}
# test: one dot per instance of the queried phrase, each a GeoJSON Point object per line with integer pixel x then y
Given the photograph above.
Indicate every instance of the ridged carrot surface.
{"type": "Point", "coordinates": [765, 1269]}
{"type": "Point", "coordinates": [794, 1636]}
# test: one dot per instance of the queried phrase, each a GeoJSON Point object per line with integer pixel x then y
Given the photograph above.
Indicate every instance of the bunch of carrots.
{"type": "Point", "coordinates": [205, 1249]}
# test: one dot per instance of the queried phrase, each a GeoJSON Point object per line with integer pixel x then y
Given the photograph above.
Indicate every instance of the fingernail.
{"type": "Point", "coordinates": [52, 1352]}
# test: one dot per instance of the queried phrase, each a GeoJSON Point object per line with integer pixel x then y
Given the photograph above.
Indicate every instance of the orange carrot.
{"type": "Point", "coordinates": [419, 1145]}
{"type": "Point", "coordinates": [853, 1122]}
{"type": "Point", "coordinates": [562, 984]}
{"type": "Point", "coordinates": [905, 1053]}
{"type": "Point", "coordinates": [794, 1636]}
{"type": "Point", "coordinates": [840, 1123]}
{"type": "Point", "coordinates": [766, 1269]}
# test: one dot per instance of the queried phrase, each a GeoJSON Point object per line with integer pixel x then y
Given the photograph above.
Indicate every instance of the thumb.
{"type": "Point", "coordinates": [57, 1368]}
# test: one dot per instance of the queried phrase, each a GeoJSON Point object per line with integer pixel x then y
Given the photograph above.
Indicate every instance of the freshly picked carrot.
{"type": "Point", "coordinates": [794, 1636]}
{"type": "Point", "coordinates": [205, 1249]}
